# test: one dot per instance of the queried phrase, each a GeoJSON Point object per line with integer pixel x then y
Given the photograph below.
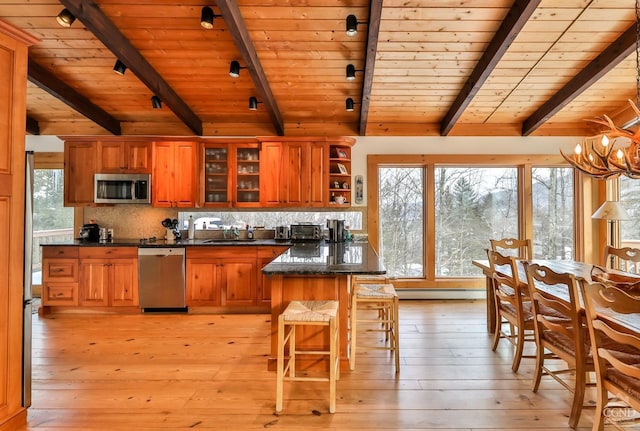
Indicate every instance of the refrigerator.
{"type": "Point", "coordinates": [27, 291]}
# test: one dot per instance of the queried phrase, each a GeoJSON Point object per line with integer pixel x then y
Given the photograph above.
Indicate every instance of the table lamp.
{"type": "Point", "coordinates": [611, 211]}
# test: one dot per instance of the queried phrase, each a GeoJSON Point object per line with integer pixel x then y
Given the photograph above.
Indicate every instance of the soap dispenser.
{"type": "Point", "coordinates": [192, 228]}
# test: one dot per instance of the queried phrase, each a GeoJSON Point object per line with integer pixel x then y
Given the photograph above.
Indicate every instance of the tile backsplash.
{"type": "Point", "coordinates": [131, 221]}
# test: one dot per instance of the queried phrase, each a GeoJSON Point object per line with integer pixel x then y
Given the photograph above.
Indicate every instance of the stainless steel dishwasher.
{"type": "Point", "coordinates": [161, 279]}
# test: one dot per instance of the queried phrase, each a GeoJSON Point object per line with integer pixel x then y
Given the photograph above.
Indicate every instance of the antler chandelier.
{"type": "Point", "coordinates": [595, 156]}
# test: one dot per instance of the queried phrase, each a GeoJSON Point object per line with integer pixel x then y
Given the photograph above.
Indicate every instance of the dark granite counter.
{"type": "Point", "coordinates": [321, 258]}
{"type": "Point", "coordinates": [204, 242]}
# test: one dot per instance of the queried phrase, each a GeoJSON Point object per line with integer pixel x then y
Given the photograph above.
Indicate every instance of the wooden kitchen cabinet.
{"type": "Point", "coordinates": [173, 182]}
{"type": "Point", "coordinates": [124, 157]}
{"type": "Point", "coordinates": [340, 174]}
{"type": "Point", "coordinates": [80, 162]}
{"type": "Point", "coordinates": [108, 276]}
{"type": "Point", "coordinates": [60, 276]}
{"type": "Point", "coordinates": [223, 276]}
{"type": "Point", "coordinates": [266, 254]}
{"type": "Point", "coordinates": [295, 173]}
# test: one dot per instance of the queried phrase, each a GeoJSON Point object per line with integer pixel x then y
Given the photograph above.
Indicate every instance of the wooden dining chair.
{"type": "Point", "coordinates": [520, 248]}
{"type": "Point", "coordinates": [616, 352]}
{"type": "Point", "coordinates": [625, 259]}
{"type": "Point", "coordinates": [560, 332]}
{"type": "Point", "coordinates": [513, 307]}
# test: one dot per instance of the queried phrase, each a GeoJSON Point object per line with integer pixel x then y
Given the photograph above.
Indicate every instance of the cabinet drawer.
{"type": "Point", "coordinates": [60, 252]}
{"type": "Point", "coordinates": [60, 270]}
{"type": "Point", "coordinates": [222, 252]}
{"type": "Point", "coordinates": [60, 294]}
{"type": "Point", "coordinates": [108, 252]}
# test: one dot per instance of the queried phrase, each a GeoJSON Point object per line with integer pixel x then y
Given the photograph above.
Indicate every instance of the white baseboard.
{"type": "Point", "coordinates": [441, 293]}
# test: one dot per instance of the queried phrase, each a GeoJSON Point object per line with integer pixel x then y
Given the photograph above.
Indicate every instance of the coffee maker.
{"type": "Point", "coordinates": [336, 230]}
{"type": "Point", "coordinates": [90, 232]}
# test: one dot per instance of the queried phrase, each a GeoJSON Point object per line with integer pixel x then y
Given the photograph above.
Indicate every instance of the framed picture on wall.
{"type": "Point", "coordinates": [342, 168]}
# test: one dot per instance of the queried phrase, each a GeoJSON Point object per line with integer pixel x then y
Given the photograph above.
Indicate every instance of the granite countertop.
{"type": "Point", "coordinates": [322, 258]}
{"type": "Point", "coordinates": [207, 242]}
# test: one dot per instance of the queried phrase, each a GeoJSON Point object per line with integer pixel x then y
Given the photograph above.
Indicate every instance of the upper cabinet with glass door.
{"type": "Point", "coordinates": [247, 175]}
{"type": "Point", "coordinates": [217, 184]}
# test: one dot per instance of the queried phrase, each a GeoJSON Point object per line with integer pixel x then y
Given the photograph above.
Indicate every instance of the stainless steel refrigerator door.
{"type": "Point", "coordinates": [27, 292]}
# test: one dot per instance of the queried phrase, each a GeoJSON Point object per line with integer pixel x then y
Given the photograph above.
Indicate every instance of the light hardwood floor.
{"type": "Point", "coordinates": [206, 372]}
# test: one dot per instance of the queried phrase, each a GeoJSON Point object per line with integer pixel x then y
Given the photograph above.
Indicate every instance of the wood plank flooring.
{"type": "Point", "coordinates": [208, 372]}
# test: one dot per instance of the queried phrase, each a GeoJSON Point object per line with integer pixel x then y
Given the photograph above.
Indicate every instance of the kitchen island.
{"type": "Point", "coordinates": [317, 271]}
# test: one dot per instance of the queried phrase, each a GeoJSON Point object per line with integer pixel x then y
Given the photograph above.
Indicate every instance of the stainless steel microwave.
{"type": "Point", "coordinates": [122, 189]}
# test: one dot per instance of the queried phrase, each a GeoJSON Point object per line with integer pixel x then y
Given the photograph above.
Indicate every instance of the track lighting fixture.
{"type": "Point", "coordinates": [206, 17]}
{"type": "Point", "coordinates": [350, 104]}
{"type": "Point", "coordinates": [156, 103]}
{"type": "Point", "coordinates": [65, 18]}
{"type": "Point", "coordinates": [234, 69]}
{"type": "Point", "coordinates": [352, 25]}
{"type": "Point", "coordinates": [351, 72]}
{"type": "Point", "coordinates": [120, 68]}
{"type": "Point", "coordinates": [253, 103]}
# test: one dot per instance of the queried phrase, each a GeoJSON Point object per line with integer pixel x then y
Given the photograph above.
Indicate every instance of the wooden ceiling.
{"type": "Point", "coordinates": [424, 67]}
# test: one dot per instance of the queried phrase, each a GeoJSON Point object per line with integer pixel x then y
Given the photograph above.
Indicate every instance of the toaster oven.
{"type": "Point", "coordinates": [306, 232]}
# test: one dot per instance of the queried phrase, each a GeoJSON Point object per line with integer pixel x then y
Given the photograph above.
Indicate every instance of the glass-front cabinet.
{"type": "Point", "coordinates": [247, 175]}
{"type": "Point", "coordinates": [217, 184]}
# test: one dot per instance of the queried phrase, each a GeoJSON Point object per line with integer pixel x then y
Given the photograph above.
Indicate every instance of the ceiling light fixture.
{"type": "Point", "coordinates": [616, 151]}
{"type": "Point", "coordinates": [156, 103]}
{"type": "Point", "coordinates": [350, 104]}
{"type": "Point", "coordinates": [120, 68]}
{"type": "Point", "coordinates": [234, 69]}
{"type": "Point", "coordinates": [352, 25]}
{"type": "Point", "coordinates": [65, 18]}
{"type": "Point", "coordinates": [253, 103]}
{"type": "Point", "coordinates": [206, 17]}
{"type": "Point", "coordinates": [351, 72]}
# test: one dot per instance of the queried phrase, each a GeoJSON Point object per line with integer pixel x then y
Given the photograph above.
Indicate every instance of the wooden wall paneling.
{"type": "Point", "coordinates": [13, 69]}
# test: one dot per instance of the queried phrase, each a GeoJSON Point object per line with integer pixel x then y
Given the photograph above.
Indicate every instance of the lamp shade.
{"type": "Point", "coordinates": [611, 210]}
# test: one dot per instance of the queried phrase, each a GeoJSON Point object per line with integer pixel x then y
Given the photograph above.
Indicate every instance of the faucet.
{"type": "Point", "coordinates": [236, 232]}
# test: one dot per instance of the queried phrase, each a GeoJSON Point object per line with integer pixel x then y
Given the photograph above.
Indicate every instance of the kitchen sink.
{"type": "Point", "coordinates": [214, 240]}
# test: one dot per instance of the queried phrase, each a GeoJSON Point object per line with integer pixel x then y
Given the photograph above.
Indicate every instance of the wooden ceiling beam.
{"type": "Point", "coordinates": [620, 49]}
{"type": "Point", "coordinates": [68, 95]}
{"type": "Point", "coordinates": [375, 13]}
{"type": "Point", "coordinates": [103, 28]}
{"type": "Point", "coordinates": [238, 30]}
{"type": "Point", "coordinates": [512, 24]}
{"type": "Point", "coordinates": [33, 127]}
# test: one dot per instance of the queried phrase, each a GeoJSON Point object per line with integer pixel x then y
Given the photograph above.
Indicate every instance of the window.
{"type": "Point", "coordinates": [51, 220]}
{"type": "Point", "coordinates": [268, 219]}
{"type": "Point", "coordinates": [552, 203]}
{"type": "Point", "coordinates": [401, 217]}
{"type": "Point", "coordinates": [630, 198]}
{"type": "Point", "coordinates": [436, 213]}
{"type": "Point", "coordinates": [472, 205]}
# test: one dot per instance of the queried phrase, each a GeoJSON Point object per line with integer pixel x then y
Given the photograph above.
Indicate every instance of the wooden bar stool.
{"type": "Point", "coordinates": [380, 297]}
{"type": "Point", "coordinates": [298, 313]}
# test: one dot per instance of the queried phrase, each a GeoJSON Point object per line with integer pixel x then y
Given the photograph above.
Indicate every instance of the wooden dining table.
{"type": "Point", "coordinates": [580, 270]}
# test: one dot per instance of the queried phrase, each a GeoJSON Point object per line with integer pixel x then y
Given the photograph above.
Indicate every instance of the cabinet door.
{"type": "Point", "coordinates": [271, 159]}
{"type": "Point", "coordinates": [238, 281]}
{"type": "Point", "coordinates": [163, 179]}
{"type": "Point", "coordinates": [79, 168]}
{"type": "Point", "coordinates": [111, 157]}
{"type": "Point", "coordinates": [138, 155]}
{"type": "Point", "coordinates": [295, 174]}
{"type": "Point", "coordinates": [185, 174]}
{"type": "Point", "coordinates": [318, 174]}
{"type": "Point", "coordinates": [94, 282]}
{"type": "Point", "coordinates": [216, 175]}
{"type": "Point", "coordinates": [124, 282]}
{"type": "Point", "coordinates": [202, 285]}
